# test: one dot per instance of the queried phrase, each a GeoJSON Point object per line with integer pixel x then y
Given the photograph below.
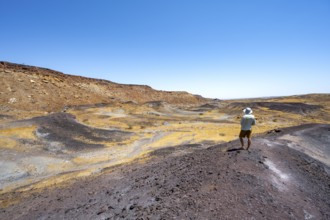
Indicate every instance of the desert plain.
{"type": "Point", "coordinates": [78, 148]}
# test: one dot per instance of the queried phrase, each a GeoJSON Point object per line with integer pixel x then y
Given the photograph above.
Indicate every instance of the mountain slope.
{"type": "Point", "coordinates": [31, 88]}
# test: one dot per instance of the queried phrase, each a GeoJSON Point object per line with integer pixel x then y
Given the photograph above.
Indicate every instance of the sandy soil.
{"type": "Point", "coordinates": [271, 181]}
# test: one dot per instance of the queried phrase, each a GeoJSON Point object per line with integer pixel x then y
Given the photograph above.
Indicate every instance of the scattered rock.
{"type": "Point", "coordinates": [274, 131]}
{"type": "Point", "coordinates": [12, 101]}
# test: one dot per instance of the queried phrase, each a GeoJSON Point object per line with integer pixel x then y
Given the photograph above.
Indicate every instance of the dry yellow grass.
{"type": "Point", "coordinates": [9, 137]}
{"type": "Point", "coordinates": [187, 128]}
{"type": "Point", "coordinates": [154, 128]}
{"type": "Point", "coordinates": [19, 132]}
{"type": "Point", "coordinates": [9, 143]}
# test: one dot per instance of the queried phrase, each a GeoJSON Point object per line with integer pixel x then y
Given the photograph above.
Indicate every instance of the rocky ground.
{"type": "Point", "coordinates": [80, 148]}
{"type": "Point", "coordinates": [271, 181]}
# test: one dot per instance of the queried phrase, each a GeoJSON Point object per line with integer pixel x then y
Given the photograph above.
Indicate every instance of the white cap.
{"type": "Point", "coordinates": [247, 111]}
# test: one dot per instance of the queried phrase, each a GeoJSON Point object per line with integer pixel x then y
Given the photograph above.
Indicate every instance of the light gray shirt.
{"type": "Point", "coordinates": [247, 121]}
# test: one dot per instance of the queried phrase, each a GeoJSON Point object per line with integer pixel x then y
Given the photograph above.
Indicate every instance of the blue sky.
{"type": "Point", "coordinates": [215, 48]}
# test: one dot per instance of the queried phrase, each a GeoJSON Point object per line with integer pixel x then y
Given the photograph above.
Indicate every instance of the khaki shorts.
{"type": "Point", "coordinates": [245, 133]}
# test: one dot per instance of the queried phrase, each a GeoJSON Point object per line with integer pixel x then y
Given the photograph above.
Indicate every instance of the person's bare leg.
{"type": "Point", "coordinates": [249, 143]}
{"type": "Point", "coordinates": [242, 142]}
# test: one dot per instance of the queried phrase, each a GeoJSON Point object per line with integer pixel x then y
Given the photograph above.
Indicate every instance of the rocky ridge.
{"type": "Point", "coordinates": [30, 88]}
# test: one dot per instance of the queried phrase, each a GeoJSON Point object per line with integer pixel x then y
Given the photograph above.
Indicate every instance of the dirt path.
{"type": "Point", "coordinates": [272, 181]}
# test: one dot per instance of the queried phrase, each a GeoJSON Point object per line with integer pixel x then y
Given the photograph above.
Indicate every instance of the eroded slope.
{"type": "Point", "coordinates": [28, 91]}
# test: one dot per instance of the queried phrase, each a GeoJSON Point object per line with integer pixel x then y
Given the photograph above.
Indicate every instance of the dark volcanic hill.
{"type": "Point", "coordinates": [31, 88]}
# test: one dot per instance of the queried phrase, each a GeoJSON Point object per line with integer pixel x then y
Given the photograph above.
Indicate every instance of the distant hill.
{"type": "Point", "coordinates": [32, 88]}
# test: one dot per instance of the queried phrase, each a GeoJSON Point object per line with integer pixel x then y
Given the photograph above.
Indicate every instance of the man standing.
{"type": "Point", "coordinates": [246, 127]}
